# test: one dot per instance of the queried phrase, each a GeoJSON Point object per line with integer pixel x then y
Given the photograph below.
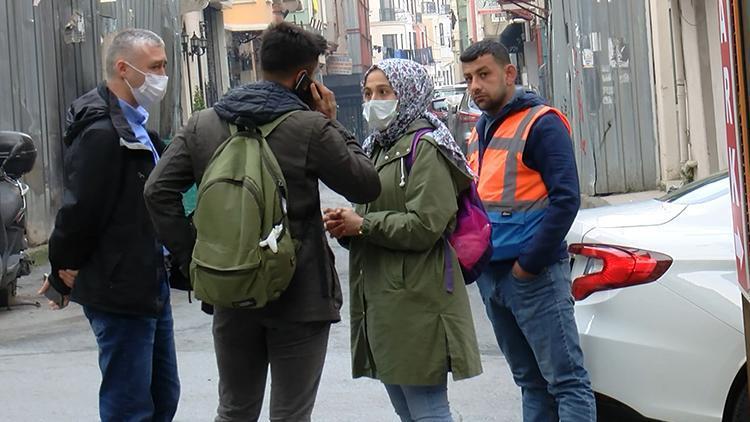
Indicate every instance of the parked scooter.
{"type": "Point", "coordinates": [17, 157]}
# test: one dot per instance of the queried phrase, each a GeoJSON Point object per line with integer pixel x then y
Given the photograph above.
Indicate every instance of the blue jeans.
{"type": "Point", "coordinates": [423, 403]}
{"type": "Point", "coordinates": [138, 362]}
{"type": "Point", "coordinates": [536, 330]}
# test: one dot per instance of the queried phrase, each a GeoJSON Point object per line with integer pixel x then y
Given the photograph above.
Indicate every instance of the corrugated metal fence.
{"type": "Point", "coordinates": [602, 80]}
{"type": "Point", "coordinates": [51, 53]}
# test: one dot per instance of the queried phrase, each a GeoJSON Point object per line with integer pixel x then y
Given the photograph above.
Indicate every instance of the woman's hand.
{"type": "Point", "coordinates": [332, 219]}
{"type": "Point", "coordinates": [342, 222]}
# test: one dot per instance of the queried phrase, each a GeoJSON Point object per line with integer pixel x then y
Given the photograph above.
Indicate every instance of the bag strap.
{"type": "Point", "coordinates": [413, 153]}
{"type": "Point", "coordinates": [448, 269]}
{"type": "Point", "coordinates": [267, 128]}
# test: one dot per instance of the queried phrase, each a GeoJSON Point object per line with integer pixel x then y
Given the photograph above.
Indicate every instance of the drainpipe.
{"type": "Point", "coordinates": [473, 11]}
{"type": "Point", "coordinates": [687, 165]}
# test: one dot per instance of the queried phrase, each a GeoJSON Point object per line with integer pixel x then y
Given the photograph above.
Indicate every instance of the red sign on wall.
{"type": "Point", "coordinates": [734, 149]}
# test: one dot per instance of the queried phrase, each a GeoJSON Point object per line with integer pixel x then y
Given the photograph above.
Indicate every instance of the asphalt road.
{"type": "Point", "coordinates": [48, 365]}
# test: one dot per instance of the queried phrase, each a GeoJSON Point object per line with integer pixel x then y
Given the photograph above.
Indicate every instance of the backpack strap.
{"type": "Point", "coordinates": [267, 128]}
{"type": "Point", "coordinates": [447, 255]}
{"type": "Point", "coordinates": [413, 153]}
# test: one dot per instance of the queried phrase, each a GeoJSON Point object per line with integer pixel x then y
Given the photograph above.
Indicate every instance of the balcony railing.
{"type": "Point", "coordinates": [387, 15]}
{"type": "Point", "coordinates": [420, 55]}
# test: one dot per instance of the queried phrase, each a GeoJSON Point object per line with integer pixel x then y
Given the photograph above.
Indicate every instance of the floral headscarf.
{"type": "Point", "coordinates": [414, 88]}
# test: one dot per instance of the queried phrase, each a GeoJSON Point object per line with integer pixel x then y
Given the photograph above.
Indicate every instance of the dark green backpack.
{"type": "Point", "coordinates": [244, 255]}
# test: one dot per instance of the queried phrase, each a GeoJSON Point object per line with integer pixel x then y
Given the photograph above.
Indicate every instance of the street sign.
{"type": "Point", "coordinates": [338, 65]}
{"type": "Point", "coordinates": [736, 151]}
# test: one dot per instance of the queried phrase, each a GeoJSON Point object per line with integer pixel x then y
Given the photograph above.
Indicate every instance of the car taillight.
{"type": "Point", "coordinates": [613, 267]}
{"type": "Point", "coordinates": [465, 117]}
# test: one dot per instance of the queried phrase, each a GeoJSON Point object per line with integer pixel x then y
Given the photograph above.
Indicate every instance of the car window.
{"type": "Point", "coordinates": [449, 91]}
{"type": "Point", "coordinates": [464, 102]}
{"type": "Point", "coordinates": [468, 106]}
{"type": "Point", "coordinates": [700, 191]}
{"type": "Point", "coordinates": [440, 104]}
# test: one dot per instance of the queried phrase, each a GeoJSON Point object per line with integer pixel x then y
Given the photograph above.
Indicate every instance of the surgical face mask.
{"type": "Point", "coordinates": [153, 89]}
{"type": "Point", "coordinates": [380, 113]}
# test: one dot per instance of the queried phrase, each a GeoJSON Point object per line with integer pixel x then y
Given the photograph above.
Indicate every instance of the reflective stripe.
{"type": "Point", "coordinates": [506, 144]}
{"type": "Point", "coordinates": [472, 148]}
{"type": "Point", "coordinates": [511, 162]}
{"type": "Point", "coordinates": [533, 112]}
{"type": "Point", "coordinates": [491, 206]}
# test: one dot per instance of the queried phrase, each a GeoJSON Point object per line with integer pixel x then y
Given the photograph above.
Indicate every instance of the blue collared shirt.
{"type": "Point", "coordinates": [137, 118]}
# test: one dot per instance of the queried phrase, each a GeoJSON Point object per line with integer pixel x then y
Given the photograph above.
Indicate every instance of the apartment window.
{"type": "Point", "coordinates": [444, 8]}
{"type": "Point", "coordinates": [402, 41]}
{"type": "Point", "coordinates": [389, 41]}
{"type": "Point", "coordinates": [424, 40]}
{"type": "Point", "coordinates": [442, 35]}
{"type": "Point", "coordinates": [387, 10]}
{"type": "Point", "coordinates": [389, 46]}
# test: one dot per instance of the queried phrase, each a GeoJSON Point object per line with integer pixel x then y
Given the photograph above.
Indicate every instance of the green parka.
{"type": "Point", "coordinates": [406, 328]}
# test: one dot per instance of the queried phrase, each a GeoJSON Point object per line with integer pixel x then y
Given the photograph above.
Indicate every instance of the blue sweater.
{"type": "Point", "coordinates": [549, 151]}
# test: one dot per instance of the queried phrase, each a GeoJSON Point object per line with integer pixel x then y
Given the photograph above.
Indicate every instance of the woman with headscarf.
{"type": "Point", "coordinates": [411, 322]}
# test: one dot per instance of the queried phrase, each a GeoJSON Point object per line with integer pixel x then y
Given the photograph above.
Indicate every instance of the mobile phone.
{"type": "Point", "coordinates": [53, 295]}
{"type": "Point", "coordinates": [302, 88]}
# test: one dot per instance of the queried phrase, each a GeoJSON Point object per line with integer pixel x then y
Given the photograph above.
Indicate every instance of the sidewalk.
{"type": "Point", "coordinates": [618, 199]}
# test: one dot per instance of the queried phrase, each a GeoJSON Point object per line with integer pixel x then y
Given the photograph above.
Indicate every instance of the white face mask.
{"type": "Point", "coordinates": [379, 113]}
{"type": "Point", "coordinates": [152, 91]}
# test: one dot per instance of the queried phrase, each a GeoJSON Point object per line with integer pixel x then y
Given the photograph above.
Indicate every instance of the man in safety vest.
{"type": "Point", "coordinates": [522, 153]}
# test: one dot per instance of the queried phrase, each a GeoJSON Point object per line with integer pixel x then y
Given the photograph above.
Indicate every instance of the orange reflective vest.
{"type": "Point", "coordinates": [513, 194]}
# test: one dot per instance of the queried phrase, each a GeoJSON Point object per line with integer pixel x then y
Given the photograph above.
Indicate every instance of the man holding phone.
{"type": "Point", "coordinates": [291, 333]}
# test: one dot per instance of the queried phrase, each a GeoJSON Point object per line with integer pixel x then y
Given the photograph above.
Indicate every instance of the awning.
{"type": "Point", "coordinates": [245, 27]}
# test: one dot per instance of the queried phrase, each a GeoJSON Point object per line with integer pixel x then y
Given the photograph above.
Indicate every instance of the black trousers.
{"type": "Point", "coordinates": [246, 344]}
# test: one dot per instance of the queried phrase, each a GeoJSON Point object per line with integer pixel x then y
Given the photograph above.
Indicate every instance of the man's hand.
{"type": "Point", "coordinates": [52, 304]}
{"type": "Point", "coordinates": [323, 100]}
{"type": "Point", "coordinates": [520, 273]}
{"type": "Point", "coordinates": [68, 277]}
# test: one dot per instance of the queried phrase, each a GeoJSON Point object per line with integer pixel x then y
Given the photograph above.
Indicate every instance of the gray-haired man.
{"type": "Point", "coordinates": [103, 250]}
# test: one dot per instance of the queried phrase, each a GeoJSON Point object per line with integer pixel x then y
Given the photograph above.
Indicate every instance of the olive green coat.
{"type": "Point", "coordinates": [405, 327]}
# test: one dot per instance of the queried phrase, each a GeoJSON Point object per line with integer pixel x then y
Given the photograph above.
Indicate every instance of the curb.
{"type": "Point", "coordinates": [592, 202]}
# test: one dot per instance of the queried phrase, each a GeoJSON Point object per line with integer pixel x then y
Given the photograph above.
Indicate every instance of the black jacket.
{"type": "Point", "coordinates": [103, 228]}
{"type": "Point", "coordinates": [309, 148]}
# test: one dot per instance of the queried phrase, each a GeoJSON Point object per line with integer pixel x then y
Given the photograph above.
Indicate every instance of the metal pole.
{"type": "Point", "coordinates": [679, 70]}
{"type": "Point", "coordinates": [200, 78]}
{"type": "Point", "coordinates": [190, 83]}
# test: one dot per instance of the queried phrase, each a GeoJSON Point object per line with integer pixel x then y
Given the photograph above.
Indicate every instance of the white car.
{"type": "Point", "coordinates": [658, 306]}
